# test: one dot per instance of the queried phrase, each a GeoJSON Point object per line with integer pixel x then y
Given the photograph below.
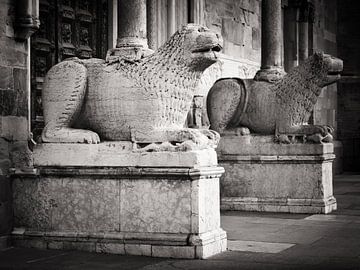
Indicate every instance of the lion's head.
{"type": "Point", "coordinates": [324, 68]}
{"type": "Point", "coordinates": [194, 46]}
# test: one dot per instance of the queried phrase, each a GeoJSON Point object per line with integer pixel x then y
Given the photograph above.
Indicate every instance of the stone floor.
{"type": "Point", "coordinates": [255, 241]}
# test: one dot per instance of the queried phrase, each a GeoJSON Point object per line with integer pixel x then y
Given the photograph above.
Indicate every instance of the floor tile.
{"type": "Point", "coordinates": [253, 246]}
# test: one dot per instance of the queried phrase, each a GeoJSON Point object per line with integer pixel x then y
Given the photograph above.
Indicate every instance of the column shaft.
{"type": "Point", "coordinates": [304, 12]}
{"type": "Point", "coordinates": [303, 41]}
{"type": "Point", "coordinates": [290, 38]}
{"type": "Point", "coordinates": [271, 34]}
{"type": "Point", "coordinates": [271, 40]}
{"type": "Point", "coordinates": [132, 23]}
{"type": "Point", "coordinates": [171, 18]}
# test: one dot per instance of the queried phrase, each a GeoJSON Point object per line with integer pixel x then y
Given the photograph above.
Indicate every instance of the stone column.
{"type": "Point", "coordinates": [152, 23]}
{"type": "Point", "coordinates": [26, 18]}
{"type": "Point", "coordinates": [290, 38]}
{"type": "Point", "coordinates": [131, 39]}
{"type": "Point", "coordinates": [132, 24]}
{"type": "Point", "coordinates": [112, 23]}
{"type": "Point", "coordinates": [303, 31]}
{"type": "Point", "coordinates": [197, 11]}
{"type": "Point", "coordinates": [271, 40]}
{"type": "Point", "coordinates": [171, 18]}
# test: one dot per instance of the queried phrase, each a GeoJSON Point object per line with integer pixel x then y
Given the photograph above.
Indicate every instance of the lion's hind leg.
{"type": "Point", "coordinates": [63, 96]}
{"type": "Point", "coordinates": [226, 103]}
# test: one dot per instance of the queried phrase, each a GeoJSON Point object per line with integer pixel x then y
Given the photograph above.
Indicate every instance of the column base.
{"type": "Point", "coordinates": [270, 75]}
{"type": "Point", "coordinates": [131, 53]}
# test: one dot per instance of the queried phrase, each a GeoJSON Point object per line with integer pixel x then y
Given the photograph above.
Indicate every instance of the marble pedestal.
{"type": "Point", "coordinates": [105, 198]}
{"type": "Point", "coordinates": [261, 175]}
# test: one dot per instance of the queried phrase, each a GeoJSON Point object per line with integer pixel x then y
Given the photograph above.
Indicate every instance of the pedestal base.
{"type": "Point", "coordinates": [149, 209]}
{"type": "Point", "coordinates": [261, 175]}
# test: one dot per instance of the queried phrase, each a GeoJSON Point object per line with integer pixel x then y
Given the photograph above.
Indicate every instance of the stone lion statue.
{"type": "Point", "coordinates": [281, 107]}
{"type": "Point", "coordinates": [144, 101]}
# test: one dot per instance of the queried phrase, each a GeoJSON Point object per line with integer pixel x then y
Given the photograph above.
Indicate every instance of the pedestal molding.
{"type": "Point", "coordinates": [278, 159]}
{"type": "Point", "coordinates": [279, 205]}
{"type": "Point", "coordinates": [128, 172]}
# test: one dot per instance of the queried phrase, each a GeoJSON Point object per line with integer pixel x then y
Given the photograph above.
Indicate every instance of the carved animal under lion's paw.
{"type": "Point", "coordinates": [282, 107]}
{"type": "Point", "coordinates": [190, 139]}
{"type": "Point", "coordinates": [145, 101]}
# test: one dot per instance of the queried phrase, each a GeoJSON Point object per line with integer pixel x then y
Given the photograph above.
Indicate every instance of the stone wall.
{"type": "Point", "coordinates": [239, 23]}
{"type": "Point", "coordinates": [13, 111]}
{"type": "Point", "coordinates": [348, 36]}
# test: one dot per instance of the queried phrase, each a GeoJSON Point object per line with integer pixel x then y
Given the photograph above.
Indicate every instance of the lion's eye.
{"type": "Point", "coordinates": [202, 29]}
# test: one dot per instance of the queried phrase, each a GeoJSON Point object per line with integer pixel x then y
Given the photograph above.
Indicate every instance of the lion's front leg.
{"type": "Point", "coordinates": [58, 134]}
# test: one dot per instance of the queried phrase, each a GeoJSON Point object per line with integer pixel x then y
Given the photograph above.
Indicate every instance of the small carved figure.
{"type": "Point", "coordinates": [281, 107]}
{"type": "Point", "coordinates": [145, 100]}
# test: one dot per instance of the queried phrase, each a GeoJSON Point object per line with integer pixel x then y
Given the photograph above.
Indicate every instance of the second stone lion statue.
{"type": "Point", "coordinates": [144, 101]}
{"type": "Point", "coordinates": [280, 108]}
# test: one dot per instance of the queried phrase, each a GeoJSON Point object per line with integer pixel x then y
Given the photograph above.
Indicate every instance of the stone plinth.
{"type": "Point", "coordinates": [161, 204]}
{"type": "Point", "coordinates": [261, 175]}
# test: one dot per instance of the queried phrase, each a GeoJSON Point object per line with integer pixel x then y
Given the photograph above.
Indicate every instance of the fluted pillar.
{"type": "Point", "coordinates": [271, 40]}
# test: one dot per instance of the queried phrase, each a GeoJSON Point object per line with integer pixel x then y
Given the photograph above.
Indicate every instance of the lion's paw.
{"type": "Point", "coordinates": [319, 138]}
{"type": "Point", "coordinates": [70, 135]}
{"type": "Point", "coordinates": [89, 137]}
{"type": "Point", "coordinates": [322, 129]}
{"type": "Point", "coordinates": [213, 136]}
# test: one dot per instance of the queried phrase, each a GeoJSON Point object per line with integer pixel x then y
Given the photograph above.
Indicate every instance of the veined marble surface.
{"type": "Point", "coordinates": [67, 204]}
{"type": "Point", "coordinates": [155, 206]}
{"type": "Point", "coordinates": [142, 203]}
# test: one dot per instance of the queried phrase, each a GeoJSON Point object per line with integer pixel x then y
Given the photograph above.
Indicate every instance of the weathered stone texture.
{"type": "Point", "coordinates": [141, 101]}
{"type": "Point", "coordinates": [263, 176]}
{"type": "Point", "coordinates": [14, 128]}
{"type": "Point", "coordinates": [13, 106]}
{"type": "Point", "coordinates": [174, 215]}
{"type": "Point", "coordinates": [236, 21]}
{"type": "Point", "coordinates": [6, 78]}
{"type": "Point", "coordinates": [139, 210]}
{"type": "Point", "coordinates": [62, 204]}
{"type": "Point", "coordinates": [281, 107]}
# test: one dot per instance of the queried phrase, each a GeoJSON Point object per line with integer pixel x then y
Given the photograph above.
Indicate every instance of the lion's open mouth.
{"type": "Point", "coordinates": [334, 72]}
{"type": "Point", "coordinates": [215, 48]}
{"type": "Point", "coordinates": [335, 68]}
{"type": "Point", "coordinates": [336, 65]}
